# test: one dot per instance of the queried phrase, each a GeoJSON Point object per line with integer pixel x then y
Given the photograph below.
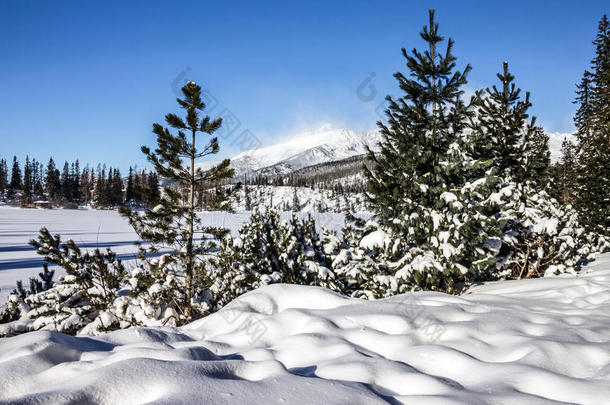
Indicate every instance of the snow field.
{"type": "Point", "coordinates": [90, 229]}
{"type": "Point", "coordinates": [541, 341]}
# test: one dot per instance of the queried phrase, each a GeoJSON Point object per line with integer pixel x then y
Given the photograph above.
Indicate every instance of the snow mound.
{"type": "Point", "coordinates": [542, 341]}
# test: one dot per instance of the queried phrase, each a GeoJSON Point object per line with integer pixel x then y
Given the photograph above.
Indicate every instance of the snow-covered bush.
{"type": "Point", "coordinates": [268, 251]}
{"type": "Point", "coordinates": [88, 289]}
{"type": "Point", "coordinates": [98, 293]}
{"type": "Point", "coordinates": [355, 259]}
{"type": "Point", "coordinates": [15, 310]}
{"type": "Point", "coordinates": [540, 237]}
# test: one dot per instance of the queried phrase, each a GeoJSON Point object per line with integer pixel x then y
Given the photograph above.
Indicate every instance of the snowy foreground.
{"type": "Point", "coordinates": [519, 342]}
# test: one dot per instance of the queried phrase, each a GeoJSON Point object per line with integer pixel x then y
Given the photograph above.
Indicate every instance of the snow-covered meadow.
{"type": "Point", "coordinates": [89, 229]}
{"type": "Point", "coordinates": [538, 341]}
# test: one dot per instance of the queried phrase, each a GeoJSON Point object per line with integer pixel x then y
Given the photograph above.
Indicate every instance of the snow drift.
{"type": "Point", "coordinates": [531, 341]}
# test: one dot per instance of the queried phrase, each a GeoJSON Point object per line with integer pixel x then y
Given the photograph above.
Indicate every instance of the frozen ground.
{"type": "Point", "coordinates": [90, 229]}
{"type": "Point", "coordinates": [543, 341]}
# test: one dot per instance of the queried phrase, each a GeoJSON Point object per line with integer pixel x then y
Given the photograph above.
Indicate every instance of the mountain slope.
{"type": "Point", "coordinates": [326, 144]}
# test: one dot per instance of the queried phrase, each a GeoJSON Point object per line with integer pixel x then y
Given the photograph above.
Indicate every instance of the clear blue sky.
{"type": "Point", "coordinates": [86, 79]}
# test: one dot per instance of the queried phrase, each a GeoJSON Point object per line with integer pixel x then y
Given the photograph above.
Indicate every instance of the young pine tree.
{"type": "Point", "coordinates": [504, 137]}
{"type": "Point", "coordinates": [173, 223]}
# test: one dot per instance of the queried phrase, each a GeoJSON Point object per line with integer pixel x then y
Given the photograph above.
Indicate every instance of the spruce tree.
{"type": "Point", "coordinates": [66, 183]}
{"type": "Point", "coordinates": [504, 137]}
{"type": "Point", "coordinates": [38, 188]}
{"type": "Point", "coordinates": [427, 226]}
{"type": "Point", "coordinates": [16, 180]}
{"type": "Point", "coordinates": [52, 181]}
{"type": "Point", "coordinates": [27, 181]}
{"type": "Point", "coordinates": [173, 223]}
{"type": "Point", "coordinates": [592, 188]}
{"type": "Point", "coordinates": [3, 176]}
{"type": "Point", "coordinates": [129, 188]}
{"type": "Point", "coordinates": [85, 187]}
{"type": "Point", "coordinates": [76, 179]}
{"type": "Point", "coordinates": [407, 172]}
{"type": "Point", "coordinates": [100, 194]}
{"type": "Point", "coordinates": [584, 113]}
{"type": "Point", "coordinates": [153, 194]}
{"type": "Point", "coordinates": [116, 188]}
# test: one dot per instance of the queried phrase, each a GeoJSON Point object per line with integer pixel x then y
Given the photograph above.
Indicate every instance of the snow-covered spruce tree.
{"type": "Point", "coordinates": [539, 235]}
{"type": "Point", "coordinates": [592, 182]}
{"type": "Point", "coordinates": [173, 223]}
{"type": "Point", "coordinates": [432, 238]}
{"type": "Point", "coordinates": [268, 251]}
{"type": "Point", "coordinates": [517, 149]}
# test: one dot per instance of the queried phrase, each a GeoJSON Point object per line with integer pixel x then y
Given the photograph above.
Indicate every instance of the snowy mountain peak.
{"type": "Point", "coordinates": [326, 144]}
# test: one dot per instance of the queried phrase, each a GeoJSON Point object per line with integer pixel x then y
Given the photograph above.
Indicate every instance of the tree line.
{"type": "Point", "coordinates": [100, 187]}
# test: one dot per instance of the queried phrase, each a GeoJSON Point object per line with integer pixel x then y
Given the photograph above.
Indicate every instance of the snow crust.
{"type": "Point", "coordinates": [538, 341]}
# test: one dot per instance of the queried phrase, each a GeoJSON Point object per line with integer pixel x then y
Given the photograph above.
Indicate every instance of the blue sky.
{"type": "Point", "coordinates": [86, 79]}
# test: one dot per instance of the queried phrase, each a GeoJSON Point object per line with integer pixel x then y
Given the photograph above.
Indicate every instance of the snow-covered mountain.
{"type": "Point", "coordinates": [327, 144]}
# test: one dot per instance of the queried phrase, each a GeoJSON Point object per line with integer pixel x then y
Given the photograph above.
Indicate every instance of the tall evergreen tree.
{"type": "Point", "coordinates": [37, 187]}
{"type": "Point", "coordinates": [422, 124]}
{"type": "Point", "coordinates": [416, 183]}
{"type": "Point", "coordinates": [16, 179]}
{"type": "Point", "coordinates": [3, 176]}
{"type": "Point", "coordinates": [174, 223]}
{"type": "Point", "coordinates": [85, 185]}
{"type": "Point", "coordinates": [592, 188]}
{"type": "Point", "coordinates": [52, 182]}
{"type": "Point", "coordinates": [153, 194]}
{"type": "Point", "coordinates": [66, 182]}
{"type": "Point", "coordinates": [582, 118]}
{"type": "Point", "coordinates": [27, 181]}
{"type": "Point", "coordinates": [75, 176]}
{"type": "Point", "coordinates": [129, 189]}
{"type": "Point", "coordinates": [100, 193]}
